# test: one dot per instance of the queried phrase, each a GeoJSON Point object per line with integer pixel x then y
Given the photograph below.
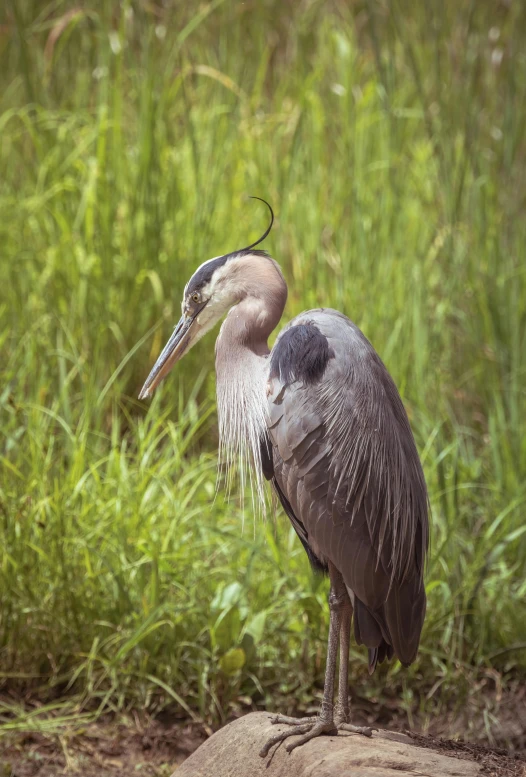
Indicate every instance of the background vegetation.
{"type": "Point", "coordinates": [389, 137]}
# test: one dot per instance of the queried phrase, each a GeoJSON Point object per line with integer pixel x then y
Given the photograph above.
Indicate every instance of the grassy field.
{"type": "Point", "coordinates": [389, 138]}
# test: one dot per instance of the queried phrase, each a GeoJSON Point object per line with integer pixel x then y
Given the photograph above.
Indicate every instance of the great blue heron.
{"type": "Point", "coordinates": [321, 418]}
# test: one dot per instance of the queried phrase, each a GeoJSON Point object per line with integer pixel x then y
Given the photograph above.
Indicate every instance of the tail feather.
{"type": "Point", "coordinates": [378, 654]}
{"type": "Point", "coordinates": [394, 628]}
{"type": "Point", "coordinates": [371, 630]}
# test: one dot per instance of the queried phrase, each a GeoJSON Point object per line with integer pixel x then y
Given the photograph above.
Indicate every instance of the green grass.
{"type": "Point", "coordinates": [390, 142]}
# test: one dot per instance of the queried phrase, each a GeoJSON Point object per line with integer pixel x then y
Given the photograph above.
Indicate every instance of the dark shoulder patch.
{"type": "Point", "coordinates": [301, 353]}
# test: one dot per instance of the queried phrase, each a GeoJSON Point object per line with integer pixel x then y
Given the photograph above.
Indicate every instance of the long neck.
{"type": "Point", "coordinates": [242, 368]}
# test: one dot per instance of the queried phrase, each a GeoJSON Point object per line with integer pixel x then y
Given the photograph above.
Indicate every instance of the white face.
{"type": "Point", "coordinates": [207, 297]}
{"type": "Point", "coordinates": [220, 293]}
{"type": "Point", "coordinates": [216, 287]}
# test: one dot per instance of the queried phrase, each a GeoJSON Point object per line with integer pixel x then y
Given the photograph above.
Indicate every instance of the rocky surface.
{"type": "Point", "coordinates": [234, 752]}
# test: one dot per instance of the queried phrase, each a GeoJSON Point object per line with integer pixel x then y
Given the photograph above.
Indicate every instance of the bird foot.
{"type": "Point", "coordinates": [313, 727]}
{"type": "Point", "coordinates": [309, 728]}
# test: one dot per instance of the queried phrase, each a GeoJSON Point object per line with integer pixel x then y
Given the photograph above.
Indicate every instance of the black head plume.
{"type": "Point", "coordinates": [253, 245]}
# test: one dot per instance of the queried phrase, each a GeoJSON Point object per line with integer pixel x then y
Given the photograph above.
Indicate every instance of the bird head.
{"type": "Point", "coordinates": [213, 289]}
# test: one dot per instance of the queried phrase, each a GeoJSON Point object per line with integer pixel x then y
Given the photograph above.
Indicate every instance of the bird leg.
{"type": "Point", "coordinates": [340, 620]}
{"type": "Point", "coordinates": [342, 713]}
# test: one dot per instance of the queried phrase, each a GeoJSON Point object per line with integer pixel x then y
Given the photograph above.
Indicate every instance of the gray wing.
{"type": "Point", "coordinates": [346, 464]}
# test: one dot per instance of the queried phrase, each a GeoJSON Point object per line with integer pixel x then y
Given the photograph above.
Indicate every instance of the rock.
{"type": "Point", "coordinates": [233, 752]}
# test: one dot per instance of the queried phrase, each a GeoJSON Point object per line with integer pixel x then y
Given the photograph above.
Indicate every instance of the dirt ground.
{"type": "Point", "coordinates": [494, 762]}
{"type": "Point", "coordinates": [139, 745]}
{"type": "Point", "coordinates": [103, 749]}
{"type": "Point", "coordinates": [116, 750]}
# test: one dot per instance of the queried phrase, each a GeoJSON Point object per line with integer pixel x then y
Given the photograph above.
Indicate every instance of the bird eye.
{"type": "Point", "coordinates": [196, 296]}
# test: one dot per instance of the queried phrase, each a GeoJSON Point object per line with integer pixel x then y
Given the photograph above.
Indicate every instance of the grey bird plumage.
{"type": "Point", "coordinates": [345, 459]}
{"type": "Point", "coordinates": [319, 417]}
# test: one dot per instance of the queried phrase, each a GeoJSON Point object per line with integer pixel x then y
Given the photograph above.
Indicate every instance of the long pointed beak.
{"type": "Point", "coordinates": [174, 349]}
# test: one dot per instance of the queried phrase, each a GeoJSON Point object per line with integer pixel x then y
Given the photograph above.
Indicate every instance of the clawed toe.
{"type": "Point", "coordinates": [366, 731]}
{"type": "Point", "coordinates": [308, 727]}
{"type": "Point", "coordinates": [280, 737]}
{"type": "Point", "coordinates": [315, 730]}
{"type": "Point", "coordinates": [289, 721]}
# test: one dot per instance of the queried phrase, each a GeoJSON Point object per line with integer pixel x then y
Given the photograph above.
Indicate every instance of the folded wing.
{"type": "Point", "coordinates": [345, 466]}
